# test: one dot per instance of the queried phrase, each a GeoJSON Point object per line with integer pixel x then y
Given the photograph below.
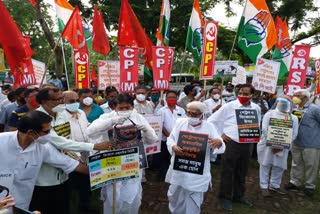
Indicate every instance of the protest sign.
{"type": "Point", "coordinates": [39, 68]}
{"type": "Point", "coordinates": [128, 136]}
{"type": "Point", "coordinates": [108, 74]}
{"type": "Point", "coordinates": [317, 76]}
{"type": "Point", "coordinates": [2, 63]}
{"type": "Point", "coordinates": [155, 122]}
{"type": "Point", "coordinates": [298, 69]}
{"type": "Point", "coordinates": [63, 130]}
{"type": "Point", "coordinates": [209, 50]}
{"type": "Point", "coordinates": [279, 133]}
{"type": "Point", "coordinates": [113, 166]}
{"type": "Point", "coordinates": [161, 67]}
{"type": "Point", "coordinates": [265, 76]}
{"type": "Point", "coordinates": [240, 77]}
{"type": "Point", "coordinates": [248, 125]}
{"type": "Point", "coordinates": [129, 68]}
{"type": "Point", "coordinates": [194, 147]}
{"type": "Point", "coordinates": [225, 68]}
{"type": "Point", "coordinates": [81, 68]}
{"type": "Point", "coordinates": [6, 181]}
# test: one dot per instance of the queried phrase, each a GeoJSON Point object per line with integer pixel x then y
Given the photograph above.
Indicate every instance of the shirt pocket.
{"type": "Point", "coordinates": [30, 171]}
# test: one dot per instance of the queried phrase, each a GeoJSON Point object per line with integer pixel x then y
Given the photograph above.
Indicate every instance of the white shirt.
{"type": "Point", "coordinates": [25, 165]}
{"type": "Point", "coordinates": [211, 104]}
{"type": "Point", "coordinates": [190, 181]}
{"type": "Point", "coordinates": [169, 118]}
{"type": "Point", "coordinates": [50, 176]}
{"type": "Point", "coordinates": [106, 108]}
{"type": "Point", "coordinates": [225, 120]}
{"type": "Point", "coordinates": [144, 108]}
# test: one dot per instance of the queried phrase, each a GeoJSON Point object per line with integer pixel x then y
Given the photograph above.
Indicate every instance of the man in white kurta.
{"type": "Point", "coordinates": [186, 190]}
{"type": "Point", "coordinates": [128, 193]}
{"type": "Point", "coordinates": [271, 158]}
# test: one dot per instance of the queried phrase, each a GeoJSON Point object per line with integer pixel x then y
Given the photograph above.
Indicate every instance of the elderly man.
{"type": "Point", "coordinates": [306, 147]}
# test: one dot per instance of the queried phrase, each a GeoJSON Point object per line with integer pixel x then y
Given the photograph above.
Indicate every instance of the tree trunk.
{"type": "Point", "coordinates": [56, 48]}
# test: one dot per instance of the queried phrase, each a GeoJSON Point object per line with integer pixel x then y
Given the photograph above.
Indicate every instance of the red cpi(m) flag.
{"type": "Point", "coordinates": [73, 31]}
{"type": "Point", "coordinates": [33, 2]}
{"type": "Point", "coordinates": [16, 48]}
{"type": "Point", "coordinates": [94, 76]}
{"type": "Point", "coordinates": [100, 42]}
{"type": "Point", "coordinates": [131, 33]}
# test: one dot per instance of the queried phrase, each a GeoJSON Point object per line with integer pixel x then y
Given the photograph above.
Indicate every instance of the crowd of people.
{"type": "Point", "coordinates": [48, 133]}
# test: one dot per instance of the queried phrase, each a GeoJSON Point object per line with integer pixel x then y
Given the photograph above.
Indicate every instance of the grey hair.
{"type": "Point", "coordinates": [198, 105]}
{"type": "Point", "coordinates": [304, 92]}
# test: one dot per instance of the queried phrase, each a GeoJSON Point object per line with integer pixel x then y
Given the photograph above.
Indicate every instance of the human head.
{"type": "Point", "coordinates": [71, 100]}
{"type": "Point", "coordinates": [11, 96]}
{"type": "Point", "coordinates": [283, 104]}
{"type": "Point", "coordinates": [85, 97]}
{"type": "Point", "coordinates": [155, 95]}
{"type": "Point", "coordinates": [189, 90]}
{"type": "Point", "coordinates": [54, 76]}
{"type": "Point", "coordinates": [215, 93]}
{"type": "Point", "coordinates": [195, 112]}
{"type": "Point", "coordinates": [245, 93]}
{"type": "Point", "coordinates": [141, 93]}
{"type": "Point", "coordinates": [229, 87]}
{"type": "Point", "coordinates": [49, 98]}
{"type": "Point", "coordinates": [124, 102]}
{"type": "Point", "coordinates": [19, 93]}
{"type": "Point", "coordinates": [111, 93]}
{"type": "Point", "coordinates": [171, 98]}
{"type": "Point", "coordinates": [30, 95]}
{"type": "Point", "coordinates": [300, 97]}
{"type": "Point", "coordinates": [34, 124]}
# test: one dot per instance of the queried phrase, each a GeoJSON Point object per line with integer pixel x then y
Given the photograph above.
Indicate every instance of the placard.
{"type": "Point", "coordinates": [6, 181]}
{"type": "Point", "coordinates": [161, 67]}
{"type": "Point", "coordinates": [225, 68]}
{"type": "Point", "coordinates": [248, 125]}
{"type": "Point", "coordinates": [279, 133]}
{"type": "Point", "coordinates": [63, 130]}
{"type": "Point", "coordinates": [317, 76]}
{"type": "Point", "coordinates": [155, 122]}
{"type": "Point", "coordinates": [113, 166]}
{"type": "Point", "coordinates": [39, 68]}
{"type": "Point", "coordinates": [108, 74]}
{"type": "Point", "coordinates": [265, 76]}
{"type": "Point", "coordinates": [81, 68]}
{"type": "Point", "coordinates": [194, 147]}
{"type": "Point", "coordinates": [129, 68]}
{"type": "Point", "coordinates": [240, 77]}
{"type": "Point", "coordinates": [129, 136]}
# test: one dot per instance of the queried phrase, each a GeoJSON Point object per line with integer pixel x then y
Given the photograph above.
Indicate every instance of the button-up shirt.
{"type": "Point", "coordinates": [225, 120]}
{"type": "Point", "coordinates": [24, 165]}
{"type": "Point", "coordinates": [146, 108]}
{"type": "Point", "coordinates": [211, 104]}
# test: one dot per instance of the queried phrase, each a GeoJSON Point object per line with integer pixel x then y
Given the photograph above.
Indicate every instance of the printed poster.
{"type": "Point", "coordinates": [225, 68]}
{"type": "Point", "coordinates": [113, 166]}
{"type": "Point", "coordinates": [39, 68]}
{"type": "Point", "coordinates": [194, 146]}
{"type": "Point", "coordinates": [108, 74]}
{"type": "Point", "coordinates": [279, 133]}
{"type": "Point", "coordinates": [248, 125]}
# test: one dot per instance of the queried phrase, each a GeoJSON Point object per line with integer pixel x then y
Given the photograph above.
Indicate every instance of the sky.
{"type": "Point", "coordinates": [218, 14]}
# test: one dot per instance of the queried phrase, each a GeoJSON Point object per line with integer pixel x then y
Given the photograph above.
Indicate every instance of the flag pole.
{"type": "Point", "coordinates": [65, 65]}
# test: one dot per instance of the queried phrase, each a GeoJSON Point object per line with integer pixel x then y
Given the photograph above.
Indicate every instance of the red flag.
{"type": "Point", "coordinates": [33, 2]}
{"type": "Point", "coordinates": [93, 76]}
{"type": "Point", "coordinates": [131, 33]}
{"type": "Point", "coordinates": [283, 34]}
{"type": "Point", "coordinates": [100, 42]}
{"type": "Point", "coordinates": [73, 31]}
{"type": "Point", "coordinates": [16, 48]}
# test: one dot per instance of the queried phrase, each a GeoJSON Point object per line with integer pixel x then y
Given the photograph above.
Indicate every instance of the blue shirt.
{"type": "Point", "coordinates": [95, 113]}
{"type": "Point", "coordinates": [16, 115]}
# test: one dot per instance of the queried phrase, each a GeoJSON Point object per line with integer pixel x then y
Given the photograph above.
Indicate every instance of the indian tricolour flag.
{"type": "Point", "coordinates": [194, 36]}
{"type": "Point", "coordinates": [283, 51]}
{"type": "Point", "coordinates": [256, 32]}
{"type": "Point", "coordinates": [64, 10]}
{"type": "Point", "coordinates": [164, 24]}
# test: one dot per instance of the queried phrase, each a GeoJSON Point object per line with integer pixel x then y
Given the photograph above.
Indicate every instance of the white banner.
{"type": "Point", "coordinates": [155, 122]}
{"type": "Point", "coordinates": [39, 69]}
{"type": "Point", "coordinates": [225, 68]}
{"type": "Point", "coordinates": [265, 76]}
{"type": "Point", "coordinates": [108, 74]}
{"type": "Point", "coordinates": [241, 77]}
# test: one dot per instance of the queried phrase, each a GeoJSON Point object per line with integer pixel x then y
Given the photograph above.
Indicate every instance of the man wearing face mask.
{"type": "Point", "coordinates": [128, 193]}
{"type": "Point", "coordinates": [170, 113]}
{"type": "Point", "coordinates": [52, 183]}
{"type": "Point", "coordinates": [186, 190]}
{"type": "Point", "coordinates": [7, 111]}
{"type": "Point", "coordinates": [215, 102]}
{"type": "Point", "coordinates": [31, 104]}
{"type": "Point", "coordinates": [155, 99]}
{"type": "Point", "coordinates": [22, 155]}
{"type": "Point", "coordinates": [141, 104]}
{"type": "Point", "coordinates": [306, 147]}
{"type": "Point", "coordinates": [272, 158]}
{"type": "Point", "coordinates": [93, 111]}
{"type": "Point", "coordinates": [236, 158]}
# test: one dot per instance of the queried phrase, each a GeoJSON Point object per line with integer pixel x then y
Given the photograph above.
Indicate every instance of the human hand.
{"type": "Point", "coordinates": [107, 145]}
{"type": "Point", "coordinates": [226, 138]}
{"type": "Point", "coordinates": [216, 108]}
{"type": "Point", "coordinates": [118, 120]}
{"type": "Point", "coordinates": [215, 143]}
{"type": "Point", "coordinates": [36, 212]}
{"type": "Point", "coordinates": [7, 202]}
{"type": "Point", "coordinates": [177, 150]}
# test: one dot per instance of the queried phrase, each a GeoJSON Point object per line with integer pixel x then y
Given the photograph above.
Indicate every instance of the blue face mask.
{"type": "Point", "coordinates": [72, 107]}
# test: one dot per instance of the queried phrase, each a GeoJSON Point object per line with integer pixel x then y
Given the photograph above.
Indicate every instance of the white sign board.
{"type": "Point", "coordinates": [265, 76]}
{"type": "Point", "coordinates": [39, 69]}
{"type": "Point", "coordinates": [155, 122]}
{"type": "Point", "coordinates": [225, 68]}
{"type": "Point", "coordinates": [108, 74]}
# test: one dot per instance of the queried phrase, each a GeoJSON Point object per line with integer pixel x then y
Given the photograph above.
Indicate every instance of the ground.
{"type": "Point", "coordinates": [155, 201]}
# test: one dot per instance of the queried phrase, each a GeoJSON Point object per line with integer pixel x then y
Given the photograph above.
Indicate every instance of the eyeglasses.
{"type": "Point", "coordinates": [193, 114]}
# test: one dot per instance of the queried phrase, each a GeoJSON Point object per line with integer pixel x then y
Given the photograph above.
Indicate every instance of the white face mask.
{"type": "Point", "coordinates": [88, 101]}
{"type": "Point", "coordinates": [216, 96]}
{"type": "Point", "coordinates": [125, 113]}
{"type": "Point", "coordinates": [194, 121]}
{"type": "Point", "coordinates": [43, 139]}
{"type": "Point", "coordinates": [141, 97]}
{"type": "Point", "coordinates": [72, 107]}
{"type": "Point", "coordinates": [59, 108]}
